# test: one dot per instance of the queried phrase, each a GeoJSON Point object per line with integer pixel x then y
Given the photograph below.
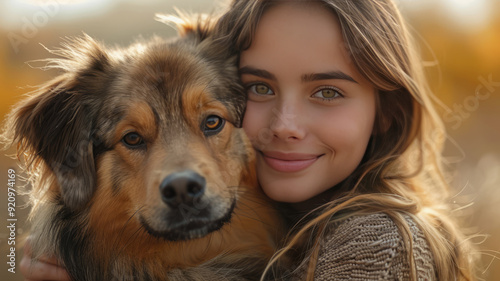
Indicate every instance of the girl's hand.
{"type": "Point", "coordinates": [45, 268]}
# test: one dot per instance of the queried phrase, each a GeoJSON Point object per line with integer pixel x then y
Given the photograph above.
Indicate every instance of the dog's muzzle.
{"type": "Point", "coordinates": [182, 188]}
{"type": "Point", "coordinates": [190, 213]}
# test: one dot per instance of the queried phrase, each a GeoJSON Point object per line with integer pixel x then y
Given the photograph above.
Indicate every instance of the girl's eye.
{"type": "Point", "coordinates": [328, 94]}
{"type": "Point", "coordinates": [133, 140]}
{"type": "Point", "coordinates": [213, 124]}
{"type": "Point", "coordinates": [260, 89]}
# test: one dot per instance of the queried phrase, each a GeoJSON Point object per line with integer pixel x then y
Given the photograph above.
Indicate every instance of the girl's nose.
{"type": "Point", "coordinates": [286, 124]}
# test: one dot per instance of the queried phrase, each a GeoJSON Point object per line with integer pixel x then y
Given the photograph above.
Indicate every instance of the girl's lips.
{"type": "Point", "coordinates": [289, 162]}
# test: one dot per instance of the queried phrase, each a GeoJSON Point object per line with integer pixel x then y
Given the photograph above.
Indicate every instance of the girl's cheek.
{"type": "Point", "coordinates": [250, 122]}
{"type": "Point", "coordinates": [255, 125]}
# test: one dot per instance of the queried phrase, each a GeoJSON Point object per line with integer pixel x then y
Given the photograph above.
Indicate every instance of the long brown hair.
{"type": "Point", "coordinates": [401, 174]}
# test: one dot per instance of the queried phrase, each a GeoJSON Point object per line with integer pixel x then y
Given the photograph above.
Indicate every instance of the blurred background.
{"type": "Point", "coordinates": [459, 41]}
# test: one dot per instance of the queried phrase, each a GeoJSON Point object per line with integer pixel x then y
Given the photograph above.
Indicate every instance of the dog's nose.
{"type": "Point", "coordinates": [182, 188]}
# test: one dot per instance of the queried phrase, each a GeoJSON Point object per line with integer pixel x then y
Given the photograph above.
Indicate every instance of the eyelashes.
{"type": "Point", "coordinates": [260, 89]}
{"type": "Point", "coordinates": [328, 93]}
{"type": "Point", "coordinates": [323, 93]}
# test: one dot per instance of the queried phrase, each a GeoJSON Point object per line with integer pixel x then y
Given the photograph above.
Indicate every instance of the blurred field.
{"type": "Point", "coordinates": [460, 43]}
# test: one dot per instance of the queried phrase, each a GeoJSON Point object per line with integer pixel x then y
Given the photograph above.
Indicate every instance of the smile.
{"type": "Point", "coordinates": [289, 162]}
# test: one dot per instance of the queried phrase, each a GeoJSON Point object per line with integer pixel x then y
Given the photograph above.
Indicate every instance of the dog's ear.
{"type": "Point", "coordinates": [196, 26]}
{"type": "Point", "coordinates": [55, 124]}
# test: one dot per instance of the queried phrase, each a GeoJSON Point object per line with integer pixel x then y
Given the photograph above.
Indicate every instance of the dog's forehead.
{"type": "Point", "coordinates": [166, 70]}
{"type": "Point", "coordinates": [169, 73]}
{"type": "Point", "coordinates": [175, 80]}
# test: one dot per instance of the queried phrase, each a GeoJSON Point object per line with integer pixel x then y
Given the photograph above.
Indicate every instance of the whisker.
{"type": "Point", "coordinates": [132, 237]}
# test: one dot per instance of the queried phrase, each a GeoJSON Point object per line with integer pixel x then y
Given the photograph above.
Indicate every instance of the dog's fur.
{"type": "Point", "coordinates": [102, 137]}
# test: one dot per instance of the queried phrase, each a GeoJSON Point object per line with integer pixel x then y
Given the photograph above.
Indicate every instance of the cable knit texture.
{"type": "Point", "coordinates": [369, 247]}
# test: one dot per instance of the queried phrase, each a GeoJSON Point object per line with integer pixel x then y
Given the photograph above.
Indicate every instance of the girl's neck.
{"type": "Point", "coordinates": [298, 211]}
{"type": "Point", "coordinates": [316, 201]}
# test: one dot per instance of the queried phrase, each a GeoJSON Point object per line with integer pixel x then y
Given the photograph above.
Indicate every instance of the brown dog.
{"type": "Point", "coordinates": [140, 168]}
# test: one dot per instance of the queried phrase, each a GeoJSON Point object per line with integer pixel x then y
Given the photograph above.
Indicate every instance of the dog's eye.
{"type": "Point", "coordinates": [213, 125]}
{"type": "Point", "coordinates": [133, 140]}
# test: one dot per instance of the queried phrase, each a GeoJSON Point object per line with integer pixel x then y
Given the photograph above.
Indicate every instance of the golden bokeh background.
{"type": "Point", "coordinates": [459, 40]}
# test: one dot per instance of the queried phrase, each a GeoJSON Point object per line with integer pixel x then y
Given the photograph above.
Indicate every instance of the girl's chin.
{"type": "Point", "coordinates": [286, 191]}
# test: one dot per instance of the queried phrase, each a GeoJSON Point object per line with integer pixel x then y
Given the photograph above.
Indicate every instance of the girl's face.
{"type": "Point", "coordinates": [310, 114]}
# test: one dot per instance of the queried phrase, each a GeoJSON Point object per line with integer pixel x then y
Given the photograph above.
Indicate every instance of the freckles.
{"type": "Point", "coordinates": [254, 120]}
{"type": "Point", "coordinates": [247, 126]}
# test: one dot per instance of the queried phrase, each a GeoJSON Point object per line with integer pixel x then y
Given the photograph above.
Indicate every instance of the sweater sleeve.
{"type": "Point", "coordinates": [370, 247]}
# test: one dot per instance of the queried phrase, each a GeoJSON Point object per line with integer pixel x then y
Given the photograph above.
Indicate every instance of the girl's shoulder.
{"type": "Point", "coordinates": [370, 247]}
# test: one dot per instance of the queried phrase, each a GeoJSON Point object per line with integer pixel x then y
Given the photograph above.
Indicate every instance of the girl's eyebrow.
{"type": "Point", "coordinates": [327, 76]}
{"type": "Point", "coordinates": [306, 77]}
{"type": "Point", "coordinates": [256, 72]}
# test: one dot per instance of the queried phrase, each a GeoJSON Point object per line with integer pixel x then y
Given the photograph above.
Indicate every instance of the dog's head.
{"type": "Point", "coordinates": [155, 126]}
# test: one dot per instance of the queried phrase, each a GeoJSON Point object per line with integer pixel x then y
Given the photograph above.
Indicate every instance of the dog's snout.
{"type": "Point", "coordinates": [182, 188]}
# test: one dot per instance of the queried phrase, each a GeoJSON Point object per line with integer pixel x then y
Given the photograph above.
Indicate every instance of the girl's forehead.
{"type": "Point", "coordinates": [310, 16]}
{"type": "Point", "coordinates": [298, 27]}
{"type": "Point", "coordinates": [295, 38]}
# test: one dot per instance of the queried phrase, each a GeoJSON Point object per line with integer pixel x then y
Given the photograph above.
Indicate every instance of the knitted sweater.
{"type": "Point", "coordinates": [369, 247]}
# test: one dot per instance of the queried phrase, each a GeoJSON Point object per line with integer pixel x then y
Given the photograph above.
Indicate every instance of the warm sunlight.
{"type": "Point", "coordinates": [469, 13]}
{"type": "Point", "coordinates": [14, 12]}
{"type": "Point", "coordinates": [458, 41]}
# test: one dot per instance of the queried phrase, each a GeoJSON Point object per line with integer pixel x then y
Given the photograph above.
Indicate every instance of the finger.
{"type": "Point", "coordinates": [42, 267]}
{"type": "Point", "coordinates": [49, 260]}
{"type": "Point", "coordinates": [36, 270]}
{"type": "Point", "coordinates": [44, 259]}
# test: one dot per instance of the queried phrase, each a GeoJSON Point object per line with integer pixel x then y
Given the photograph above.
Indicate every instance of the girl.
{"type": "Point", "coordinates": [340, 117]}
{"type": "Point", "coordinates": [348, 143]}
